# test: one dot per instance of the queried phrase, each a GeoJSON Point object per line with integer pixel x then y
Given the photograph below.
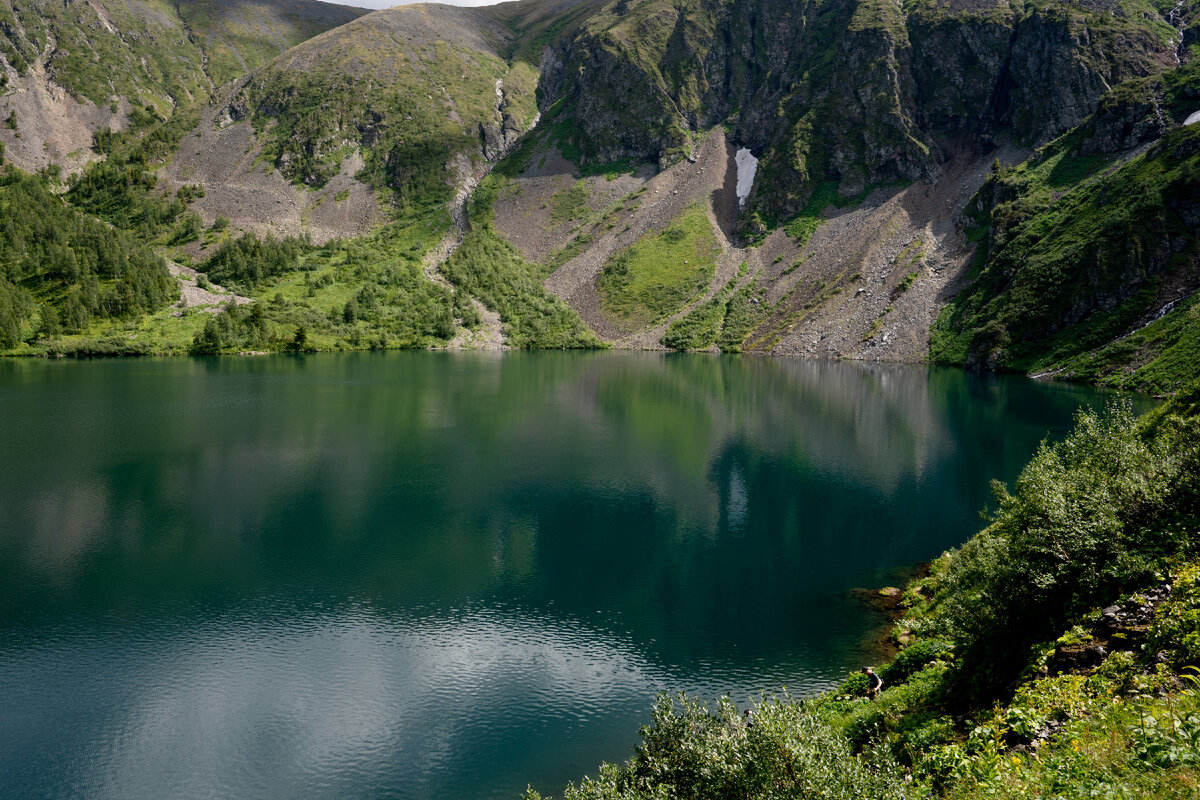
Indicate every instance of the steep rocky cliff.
{"type": "Point", "coordinates": [1089, 266]}
{"type": "Point", "coordinates": [861, 92]}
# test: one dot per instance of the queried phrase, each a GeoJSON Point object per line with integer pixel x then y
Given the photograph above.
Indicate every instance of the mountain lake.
{"type": "Point", "coordinates": [452, 575]}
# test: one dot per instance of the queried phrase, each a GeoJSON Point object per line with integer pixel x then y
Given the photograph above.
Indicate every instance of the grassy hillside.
{"type": "Point", "coordinates": [134, 49]}
{"type": "Point", "coordinates": [662, 271]}
{"type": "Point", "coordinates": [239, 36]}
{"type": "Point", "coordinates": [1079, 248]}
{"type": "Point", "coordinates": [148, 52]}
{"type": "Point", "coordinates": [416, 92]}
{"type": "Point", "coordinates": [73, 71]}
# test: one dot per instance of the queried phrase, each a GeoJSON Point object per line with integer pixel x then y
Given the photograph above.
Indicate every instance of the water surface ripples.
{"type": "Point", "coordinates": [422, 575]}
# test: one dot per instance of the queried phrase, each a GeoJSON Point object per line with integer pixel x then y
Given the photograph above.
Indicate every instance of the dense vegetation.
{"type": "Point", "coordinates": [1041, 659]}
{"type": "Point", "coordinates": [248, 260]}
{"type": "Point", "coordinates": [60, 269]}
{"type": "Point", "coordinates": [365, 293]}
{"type": "Point", "coordinates": [1068, 265]}
{"type": "Point", "coordinates": [1097, 516]}
{"type": "Point", "coordinates": [692, 751]}
{"type": "Point", "coordinates": [489, 268]}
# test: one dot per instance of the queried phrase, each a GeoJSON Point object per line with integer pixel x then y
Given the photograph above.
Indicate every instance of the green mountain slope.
{"type": "Point", "coordinates": [68, 70]}
{"type": "Point", "coordinates": [412, 88]}
{"type": "Point", "coordinates": [238, 36]}
{"type": "Point", "coordinates": [1085, 245]}
{"type": "Point", "coordinates": [140, 51]}
{"type": "Point", "coordinates": [150, 52]}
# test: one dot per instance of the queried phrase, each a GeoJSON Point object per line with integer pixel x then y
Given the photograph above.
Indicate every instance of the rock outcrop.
{"type": "Point", "coordinates": [853, 91]}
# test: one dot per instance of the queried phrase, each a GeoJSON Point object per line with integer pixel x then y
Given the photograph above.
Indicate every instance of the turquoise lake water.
{"type": "Point", "coordinates": [439, 575]}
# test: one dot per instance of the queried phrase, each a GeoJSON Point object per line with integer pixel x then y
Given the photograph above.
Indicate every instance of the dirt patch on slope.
{"type": "Point", "coordinates": [224, 157]}
{"type": "Point", "coordinates": [872, 280]}
{"type": "Point", "coordinates": [52, 126]}
{"type": "Point", "coordinates": [211, 299]}
{"type": "Point", "coordinates": [527, 212]}
{"type": "Point", "coordinates": [487, 335]}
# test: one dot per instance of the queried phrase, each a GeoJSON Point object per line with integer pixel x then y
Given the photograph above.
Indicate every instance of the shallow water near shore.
{"type": "Point", "coordinates": [434, 575]}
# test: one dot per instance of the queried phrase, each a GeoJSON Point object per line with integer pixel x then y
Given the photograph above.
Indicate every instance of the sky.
{"type": "Point", "coordinates": [390, 3]}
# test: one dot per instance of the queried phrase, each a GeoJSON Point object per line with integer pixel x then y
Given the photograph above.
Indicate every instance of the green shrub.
{"type": "Point", "coordinates": [745, 312]}
{"type": "Point", "coordinates": [914, 658]}
{"type": "Point", "coordinates": [698, 329]}
{"type": "Point", "coordinates": [569, 204]}
{"type": "Point", "coordinates": [853, 686]}
{"type": "Point", "coordinates": [1102, 511]}
{"type": "Point", "coordinates": [691, 752]}
{"type": "Point", "coordinates": [1176, 627]}
{"type": "Point", "coordinates": [802, 228]}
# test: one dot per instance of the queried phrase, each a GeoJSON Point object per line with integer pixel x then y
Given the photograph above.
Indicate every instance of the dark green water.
{"type": "Point", "coordinates": [431, 575]}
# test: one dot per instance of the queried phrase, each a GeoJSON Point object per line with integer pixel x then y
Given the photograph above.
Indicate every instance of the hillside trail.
{"type": "Point", "coordinates": [489, 334]}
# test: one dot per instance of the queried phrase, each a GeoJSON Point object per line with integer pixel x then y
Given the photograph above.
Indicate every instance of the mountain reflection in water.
{"type": "Point", "coordinates": [435, 574]}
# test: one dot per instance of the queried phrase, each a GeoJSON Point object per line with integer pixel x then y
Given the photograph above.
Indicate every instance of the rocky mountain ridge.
{"type": "Point", "coordinates": [874, 124]}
